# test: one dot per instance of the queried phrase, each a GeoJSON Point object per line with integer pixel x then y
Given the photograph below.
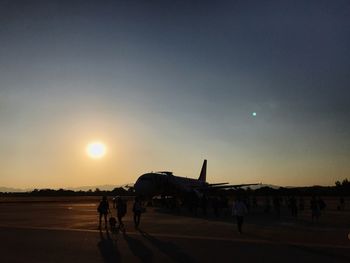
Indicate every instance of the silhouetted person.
{"type": "Point", "coordinates": [163, 202]}
{"type": "Point", "coordinates": [194, 203]}
{"type": "Point", "coordinates": [341, 203]}
{"type": "Point", "coordinates": [121, 212]}
{"type": "Point", "coordinates": [204, 204]}
{"type": "Point", "coordinates": [103, 210]}
{"type": "Point", "coordinates": [301, 204]}
{"type": "Point", "coordinates": [277, 206]}
{"type": "Point", "coordinates": [255, 202]}
{"type": "Point", "coordinates": [239, 209]}
{"type": "Point", "coordinates": [223, 204]}
{"type": "Point", "coordinates": [215, 204]}
{"type": "Point", "coordinates": [293, 206]}
{"type": "Point", "coordinates": [315, 209]}
{"type": "Point", "coordinates": [137, 209]}
{"type": "Point", "coordinates": [267, 205]}
{"type": "Point", "coordinates": [321, 203]}
{"type": "Point", "coordinates": [114, 202]}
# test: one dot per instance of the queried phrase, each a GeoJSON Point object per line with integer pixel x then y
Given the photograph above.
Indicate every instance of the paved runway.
{"type": "Point", "coordinates": [67, 232]}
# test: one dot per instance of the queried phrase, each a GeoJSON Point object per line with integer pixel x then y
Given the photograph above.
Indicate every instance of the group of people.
{"type": "Point", "coordinates": [239, 209]}
{"type": "Point", "coordinates": [295, 205]}
{"type": "Point", "coordinates": [120, 205]}
{"type": "Point", "coordinates": [317, 205]}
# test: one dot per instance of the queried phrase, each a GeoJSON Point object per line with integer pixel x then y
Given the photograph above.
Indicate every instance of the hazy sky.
{"type": "Point", "coordinates": [166, 84]}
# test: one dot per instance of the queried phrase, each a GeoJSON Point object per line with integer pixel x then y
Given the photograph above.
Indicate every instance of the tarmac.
{"type": "Point", "coordinates": [66, 230]}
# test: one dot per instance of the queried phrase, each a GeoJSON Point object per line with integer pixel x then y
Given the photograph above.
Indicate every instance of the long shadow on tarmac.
{"type": "Point", "coordinates": [108, 248]}
{"type": "Point", "coordinates": [168, 248]}
{"type": "Point", "coordinates": [139, 249]}
{"type": "Point", "coordinates": [331, 253]}
{"type": "Point", "coordinates": [224, 216]}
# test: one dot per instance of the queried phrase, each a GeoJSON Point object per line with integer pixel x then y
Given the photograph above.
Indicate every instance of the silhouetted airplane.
{"type": "Point", "coordinates": [165, 183]}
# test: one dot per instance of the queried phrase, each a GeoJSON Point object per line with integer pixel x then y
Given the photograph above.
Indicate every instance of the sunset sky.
{"type": "Point", "coordinates": [166, 84]}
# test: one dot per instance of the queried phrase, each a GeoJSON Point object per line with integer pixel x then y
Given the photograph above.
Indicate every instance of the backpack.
{"type": "Point", "coordinates": [102, 207]}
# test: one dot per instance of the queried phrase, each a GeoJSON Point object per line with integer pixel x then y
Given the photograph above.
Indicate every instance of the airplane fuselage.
{"type": "Point", "coordinates": [165, 183]}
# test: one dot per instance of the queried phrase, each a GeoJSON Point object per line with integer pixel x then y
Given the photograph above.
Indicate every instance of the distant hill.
{"type": "Point", "coordinates": [105, 187]}
{"type": "Point", "coordinates": [12, 190]}
{"type": "Point", "coordinates": [254, 187]}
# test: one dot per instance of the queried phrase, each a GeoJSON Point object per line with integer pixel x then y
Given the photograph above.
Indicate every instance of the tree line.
{"type": "Point", "coordinates": [64, 192]}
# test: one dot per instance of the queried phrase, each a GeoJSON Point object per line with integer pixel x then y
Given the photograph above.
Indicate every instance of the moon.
{"type": "Point", "coordinates": [96, 150]}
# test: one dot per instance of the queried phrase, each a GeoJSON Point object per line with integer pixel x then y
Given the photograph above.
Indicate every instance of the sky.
{"type": "Point", "coordinates": [167, 84]}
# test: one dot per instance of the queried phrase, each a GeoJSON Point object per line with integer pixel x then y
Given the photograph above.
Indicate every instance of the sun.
{"type": "Point", "coordinates": [96, 150]}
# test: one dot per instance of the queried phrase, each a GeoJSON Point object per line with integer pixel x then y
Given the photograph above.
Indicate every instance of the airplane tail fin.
{"type": "Point", "coordinates": [203, 174]}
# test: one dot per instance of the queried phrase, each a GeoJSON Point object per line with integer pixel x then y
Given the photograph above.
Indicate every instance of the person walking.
{"type": "Point", "coordinates": [341, 203]}
{"type": "Point", "coordinates": [239, 209]}
{"type": "Point", "coordinates": [315, 209]}
{"type": "Point", "coordinates": [277, 205]}
{"type": "Point", "coordinates": [137, 210]}
{"type": "Point", "coordinates": [103, 210]}
{"type": "Point", "coordinates": [121, 212]}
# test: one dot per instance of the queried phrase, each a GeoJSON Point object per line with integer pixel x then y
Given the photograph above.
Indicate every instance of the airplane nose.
{"type": "Point", "coordinates": [143, 188]}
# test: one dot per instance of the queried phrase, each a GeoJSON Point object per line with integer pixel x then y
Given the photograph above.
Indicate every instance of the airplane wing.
{"type": "Point", "coordinates": [225, 186]}
{"type": "Point", "coordinates": [235, 186]}
{"type": "Point", "coordinates": [218, 184]}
